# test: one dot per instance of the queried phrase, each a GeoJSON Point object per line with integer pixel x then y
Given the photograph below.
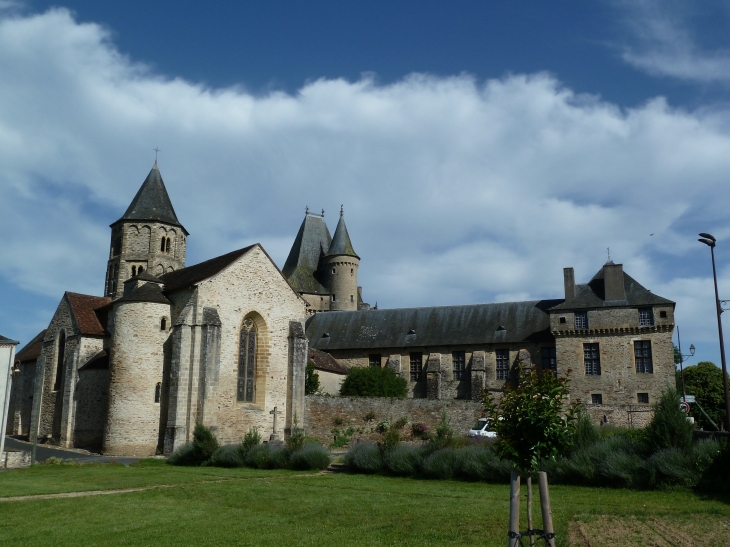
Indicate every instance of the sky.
{"type": "Point", "coordinates": [478, 147]}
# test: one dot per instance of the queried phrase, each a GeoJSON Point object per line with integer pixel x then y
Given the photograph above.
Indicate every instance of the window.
{"type": "Point", "coordinates": [163, 323]}
{"type": "Point", "coordinates": [642, 352]}
{"type": "Point", "coordinates": [596, 399]}
{"type": "Point", "coordinates": [247, 363]}
{"type": "Point", "coordinates": [140, 270]}
{"type": "Point", "coordinates": [502, 364]}
{"type": "Point", "coordinates": [643, 398]}
{"type": "Point", "coordinates": [416, 366]}
{"type": "Point", "coordinates": [374, 360]}
{"type": "Point", "coordinates": [162, 244]}
{"type": "Point", "coordinates": [548, 358]}
{"type": "Point", "coordinates": [646, 317]}
{"type": "Point", "coordinates": [458, 364]}
{"type": "Point", "coordinates": [134, 271]}
{"type": "Point", "coordinates": [158, 392]}
{"type": "Point", "coordinates": [352, 298]}
{"type": "Point", "coordinates": [592, 359]}
{"type": "Point", "coordinates": [352, 271]}
{"type": "Point", "coordinates": [562, 320]}
{"type": "Point", "coordinates": [581, 320]}
{"type": "Point", "coordinates": [60, 356]}
{"type": "Point", "coordinates": [663, 314]}
{"type": "Point", "coordinates": [334, 298]}
{"type": "Point", "coordinates": [334, 270]}
{"type": "Point", "coordinates": [167, 246]}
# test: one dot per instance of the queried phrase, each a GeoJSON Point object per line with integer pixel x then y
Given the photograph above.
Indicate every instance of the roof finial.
{"type": "Point", "coordinates": [156, 151]}
{"type": "Point", "coordinates": [608, 252]}
{"type": "Point", "coordinates": [342, 210]}
{"type": "Point", "coordinates": [322, 213]}
{"type": "Point", "coordinates": [306, 210]}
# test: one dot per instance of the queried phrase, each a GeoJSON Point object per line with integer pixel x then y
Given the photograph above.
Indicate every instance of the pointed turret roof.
{"type": "Point", "coordinates": [341, 244]}
{"type": "Point", "coordinates": [311, 243]}
{"type": "Point", "coordinates": [152, 202]}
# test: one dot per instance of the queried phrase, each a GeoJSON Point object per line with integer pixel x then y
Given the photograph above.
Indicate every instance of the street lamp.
{"type": "Point", "coordinates": [681, 362]}
{"type": "Point", "coordinates": [710, 241]}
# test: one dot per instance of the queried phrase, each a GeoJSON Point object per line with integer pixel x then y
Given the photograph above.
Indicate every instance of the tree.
{"type": "Point", "coordinates": [669, 427]}
{"type": "Point", "coordinates": [704, 381]}
{"type": "Point", "coordinates": [373, 382]}
{"type": "Point", "coordinates": [311, 380]}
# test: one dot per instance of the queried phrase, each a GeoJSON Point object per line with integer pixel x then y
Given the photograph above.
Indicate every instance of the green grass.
{"type": "Point", "coordinates": [280, 508]}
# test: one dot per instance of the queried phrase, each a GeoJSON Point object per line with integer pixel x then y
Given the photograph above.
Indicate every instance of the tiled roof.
{"type": "Point", "coordinates": [82, 307]}
{"type": "Point", "coordinates": [509, 322]}
{"type": "Point", "coordinates": [324, 361]}
{"type": "Point", "coordinates": [152, 202]}
{"type": "Point", "coordinates": [32, 349]}
{"type": "Point", "coordinates": [341, 244]}
{"type": "Point", "coordinates": [312, 242]}
{"type": "Point", "coordinates": [191, 275]}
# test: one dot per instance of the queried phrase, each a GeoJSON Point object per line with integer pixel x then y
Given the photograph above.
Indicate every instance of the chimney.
{"type": "Point", "coordinates": [569, 279]}
{"type": "Point", "coordinates": [613, 281]}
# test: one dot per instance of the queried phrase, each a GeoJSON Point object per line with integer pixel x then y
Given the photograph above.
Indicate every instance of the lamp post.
{"type": "Point", "coordinates": [681, 362]}
{"type": "Point", "coordinates": [710, 241]}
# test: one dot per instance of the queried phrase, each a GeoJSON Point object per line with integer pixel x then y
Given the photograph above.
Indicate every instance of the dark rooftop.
{"type": "Point", "coordinates": [191, 275]}
{"type": "Point", "coordinates": [341, 244]}
{"type": "Point", "coordinates": [435, 326]}
{"type": "Point", "coordinates": [82, 307]}
{"type": "Point", "coordinates": [146, 276]}
{"type": "Point", "coordinates": [324, 361]}
{"type": "Point", "coordinates": [32, 350]}
{"type": "Point", "coordinates": [152, 202]}
{"type": "Point", "coordinates": [312, 242]}
{"type": "Point", "coordinates": [6, 339]}
{"type": "Point", "coordinates": [149, 292]}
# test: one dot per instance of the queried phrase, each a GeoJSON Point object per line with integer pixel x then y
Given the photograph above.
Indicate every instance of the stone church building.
{"type": "Point", "coordinates": [225, 342]}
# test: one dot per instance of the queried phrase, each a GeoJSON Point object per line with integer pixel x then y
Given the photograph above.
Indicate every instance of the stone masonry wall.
{"type": "Point", "coordinates": [363, 413]}
{"type": "Point", "coordinates": [92, 392]}
{"type": "Point", "coordinates": [21, 401]}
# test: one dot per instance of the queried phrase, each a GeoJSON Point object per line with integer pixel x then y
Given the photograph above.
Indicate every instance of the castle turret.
{"type": "Point", "coordinates": [338, 270]}
{"type": "Point", "coordinates": [148, 237]}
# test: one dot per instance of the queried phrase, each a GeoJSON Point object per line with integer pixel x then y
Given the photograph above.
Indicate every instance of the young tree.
{"type": "Point", "coordinates": [704, 381]}
{"type": "Point", "coordinates": [311, 380]}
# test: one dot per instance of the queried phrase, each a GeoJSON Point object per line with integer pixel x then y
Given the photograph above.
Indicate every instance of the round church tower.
{"type": "Point", "coordinates": [338, 270]}
{"type": "Point", "coordinates": [137, 403]}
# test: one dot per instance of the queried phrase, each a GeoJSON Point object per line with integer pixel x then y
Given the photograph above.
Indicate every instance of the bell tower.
{"type": "Point", "coordinates": [338, 270]}
{"type": "Point", "coordinates": [148, 237]}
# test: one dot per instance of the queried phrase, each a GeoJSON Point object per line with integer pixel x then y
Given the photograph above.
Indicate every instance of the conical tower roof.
{"type": "Point", "coordinates": [341, 244]}
{"type": "Point", "coordinates": [311, 243]}
{"type": "Point", "coordinates": [152, 202]}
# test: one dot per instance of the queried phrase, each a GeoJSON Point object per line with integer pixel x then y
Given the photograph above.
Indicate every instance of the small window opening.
{"type": "Point", "coordinates": [375, 360]}
{"type": "Point", "coordinates": [562, 320]}
{"type": "Point", "coordinates": [663, 314]}
{"type": "Point", "coordinates": [134, 271]}
{"type": "Point", "coordinates": [352, 271]}
{"type": "Point", "coordinates": [352, 298]}
{"type": "Point", "coordinates": [162, 245]}
{"type": "Point", "coordinates": [643, 398]}
{"type": "Point", "coordinates": [334, 298]}
{"type": "Point", "coordinates": [596, 399]}
{"type": "Point", "coordinates": [140, 270]}
{"type": "Point", "coordinates": [167, 247]}
{"type": "Point", "coordinates": [163, 323]}
{"type": "Point", "coordinates": [334, 270]}
{"type": "Point", "coordinates": [158, 392]}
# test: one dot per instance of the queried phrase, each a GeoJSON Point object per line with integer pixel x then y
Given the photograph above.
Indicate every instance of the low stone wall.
{"type": "Point", "coordinates": [323, 414]}
{"type": "Point", "coordinates": [632, 416]}
{"type": "Point", "coordinates": [15, 460]}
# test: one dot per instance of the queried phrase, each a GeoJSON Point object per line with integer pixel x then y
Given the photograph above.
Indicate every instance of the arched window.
{"type": "Point", "coordinates": [167, 247]}
{"type": "Point", "coordinates": [158, 392]}
{"type": "Point", "coordinates": [140, 270]}
{"type": "Point", "coordinates": [60, 355]}
{"type": "Point", "coordinates": [134, 271]}
{"type": "Point", "coordinates": [162, 244]}
{"type": "Point", "coordinates": [247, 363]}
{"type": "Point", "coordinates": [163, 323]}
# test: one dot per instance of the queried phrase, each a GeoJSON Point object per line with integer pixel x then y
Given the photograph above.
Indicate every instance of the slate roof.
{"type": "Point", "coordinates": [592, 295]}
{"type": "Point", "coordinates": [191, 275]}
{"type": "Point", "coordinates": [149, 292]}
{"type": "Point", "coordinates": [82, 307]}
{"type": "Point", "coordinates": [435, 326]}
{"type": "Point", "coordinates": [312, 242]}
{"type": "Point", "coordinates": [152, 202]}
{"type": "Point", "coordinates": [146, 276]}
{"type": "Point", "coordinates": [341, 244]}
{"type": "Point", "coordinates": [6, 339]}
{"type": "Point", "coordinates": [324, 361]}
{"type": "Point", "coordinates": [32, 350]}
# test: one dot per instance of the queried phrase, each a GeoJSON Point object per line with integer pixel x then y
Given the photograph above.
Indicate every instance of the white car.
{"type": "Point", "coordinates": [481, 429]}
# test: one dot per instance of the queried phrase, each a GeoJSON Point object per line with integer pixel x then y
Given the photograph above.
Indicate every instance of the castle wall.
{"type": "Point", "coordinates": [92, 393]}
{"type": "Point", "coordinates": [135, 368]}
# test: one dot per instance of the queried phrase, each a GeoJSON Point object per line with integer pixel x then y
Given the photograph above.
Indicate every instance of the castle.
{"type": "Point", "coordinates": [225, 342]}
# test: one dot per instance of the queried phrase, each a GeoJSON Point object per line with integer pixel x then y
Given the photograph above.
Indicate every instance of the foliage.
{"type": "Point", "coordinates": [364, 457]}
{"type": "Point", "coordinates": [586, 434]}
{"type": "Point", "coordinates": [715, 477]}
{"type": "Point", "coordinates": [311, 380]}
{"type": "Point", "coordinates": [400, 423]}
{"type": "Point", "coordinates": [230, 455]}
{"type": "Point", "coordinates": [404, 459]}
{"type": "Point", "coordinates": [390, 439]}
{"type": "Point", "coordinates": [704, 381]}
{"type": "Point", "coordinates": [444, 436]}
{"type": "Point", "coordinates": [184, 455]}
{"type": "Point", "coordinates": [669, 427]}
{"type": "Point", "coordinates": [370, 416]}
{"type": "Point", "coordinates": [205, 443]}
{"type": "Point", "coordinates": [266, 456]}
{"type": "Point", "coordinates": [310, 456]}
{"type": "Point", "coordinates": [373, 382]}
{"type": "Point", "coordinates": [420, 430]}
{"type": "Point", "coordinates": [532, 420]}
{"type": "Point", "coordinates": [250, 439]}
{"type": "Point", "coordinates": [296, 438]}
{"type": "Point", "coordinates": [441, 464]}
{"type": "Point", "coordinates": [342, 438]}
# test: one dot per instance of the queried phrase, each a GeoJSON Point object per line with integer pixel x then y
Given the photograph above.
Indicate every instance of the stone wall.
{"type": "Point", "coordinates": [92, 395]}
{"type": "Point", "coordinates": [631, 416]}
{"type": "Point", "coordinates": [323, 414]}
{"type": "Point", "coordinates": [21, 400]}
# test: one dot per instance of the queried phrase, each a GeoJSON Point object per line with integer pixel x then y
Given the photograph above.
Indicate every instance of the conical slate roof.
{"type": "Point", "coordinates": [311, 243]}
{"type": "Point", "coordinates": [341, 244]}
{"type": "Point", "coordinates": [152, 202]}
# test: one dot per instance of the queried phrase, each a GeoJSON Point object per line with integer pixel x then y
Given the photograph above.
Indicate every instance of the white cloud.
{"type": "Point", "coordinates": [455, 190]}
{"type": "Point", "coordinates": [663, 43]}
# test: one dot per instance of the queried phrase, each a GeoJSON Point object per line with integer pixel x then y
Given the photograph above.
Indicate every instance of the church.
{"type": "Point", "coordinates": [226, 342]}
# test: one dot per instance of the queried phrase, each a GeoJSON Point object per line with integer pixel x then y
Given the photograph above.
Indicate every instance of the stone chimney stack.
{"type": "Point", "coordinates": [613, 280]}
{"type": "Point", "coordinates": [569, 280]}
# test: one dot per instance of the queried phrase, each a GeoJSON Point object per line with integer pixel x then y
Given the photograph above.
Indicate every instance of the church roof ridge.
{"type": "Point", "coordinates": [152, 202]}
{"type": "Point", "coordinates": [341, 244]}
{"type": "Point", "coordinates": [312, 242]}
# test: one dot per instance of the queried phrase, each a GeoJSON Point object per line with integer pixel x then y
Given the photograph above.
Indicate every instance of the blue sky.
{"type": "Point", "coordinates": [478, 147]}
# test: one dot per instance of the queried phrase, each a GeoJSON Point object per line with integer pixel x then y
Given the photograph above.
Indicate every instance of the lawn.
{"type": "Point", "coordinates": [211, 506]}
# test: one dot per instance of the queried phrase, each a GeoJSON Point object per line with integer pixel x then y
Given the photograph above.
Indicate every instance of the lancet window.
{"type": "Point", "coordinates": [247, 363]}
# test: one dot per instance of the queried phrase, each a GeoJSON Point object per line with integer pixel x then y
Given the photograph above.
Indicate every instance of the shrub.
{"type": "Point", "coordinates": [184, 455]}
{"type": "Point", "coordinates": [296, 440]}
{"type": "Point", "coordinates": [440, 464]}
{"type": "Point", "coordinates": [266, 456]}
{"type": "Point", "coordinates": [716, 477]}
{"type": "Point", "coordinates": [400, 423]}
{"type": "Point", "coordinates": [444, 434]}
{"type": "Point", "coordinates": [341, 438]}
{"type": "Point", "coordinates": [364, 457]}
{"type": "Point", "coordinates": [480, 463]}
{"type": "Point", "coordinates": [278, 457]}
{"type": "Point", "coordinates": [310, 456]}
{"type": "Point", "coordinates": [311, 380]}
{"type": "Point", "coordinates": [230, 455]}
{"type": "Point", "coordinates": [419, 430]}
{"type": "Point", "coordinates": [250, 439]}
{"type": "Point", "coordinates": [669, 427]}
{"type": "Point", "coordinates": [404, 459]}
{"type": "Point", "coordinates": [370, 416]}
{"type": "Point", "coordinates": [390, 439]}
{"type": "Point", "coordinates": [586, 434]}
{"type": "Point", "coordinates": [672, 467]}
{"type": "Point", "coordinates": [373, 382]}
{"type": "Point", "coordinates": [204, 443]}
